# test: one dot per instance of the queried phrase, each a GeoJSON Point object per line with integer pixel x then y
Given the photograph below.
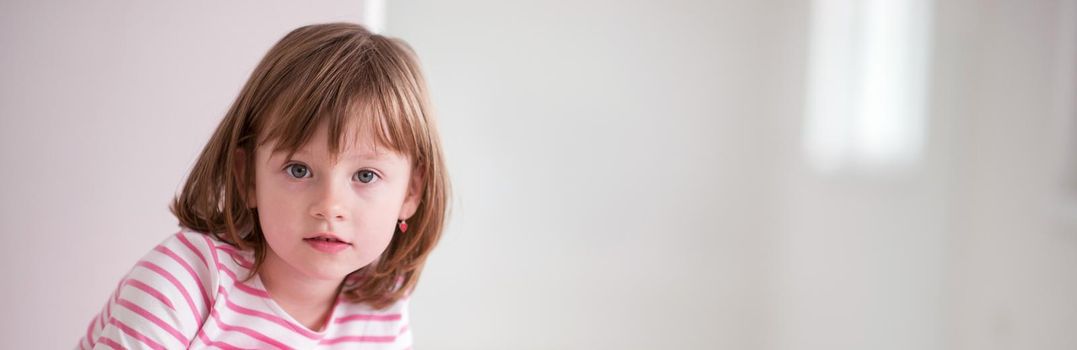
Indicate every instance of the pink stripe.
{"type": "Point", "coordinates": [228, 271]}
{"type": "Point", "coordinates": [190, 271]}
{"type": "Point", "coordinates": [108, 306]}
{"type": "Point", "coordinates": [241, 286]}
{"type": "Point", "coordinates": [135, 334]}
{"type": "Point", "coordinates": [220, 267]}
{"type": "Point", "coordinates": [236, 255]}
{"type": "Point", "coordinates": [402, 330]}
{"type": "Point", "coordinates": [266, 316]}
{"type": "Point", "coordinates": [111, 343]}
{"type": "Point", "coordinates": [156, 320]}
{"type": "Point", "coordinates": [205, 339]}
{"type": "Point", "coordinates": [151, 291]}
{"type": "Point", "coordinates": [89, 331]}
{"type": "Point", "coordinates": [212, 251]}
{"type": "Point", "coordinates": [249, 332]}
{"type": "Point", "coordinates": [101, 316]}
{"type": "Point", "coordinates": [177, 284]}
{"type": "Point", "coordinates": [360, 339]}
{"type": "Point", "coordinates": [226, 247]}
{"type": "Point", "coordinates": [190, 246]}
{"type": "Point", "coordinates": [368, 317]}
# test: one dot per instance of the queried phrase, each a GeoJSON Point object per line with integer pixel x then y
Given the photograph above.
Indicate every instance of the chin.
{"type": "Point", "coordinates": [329, 273]}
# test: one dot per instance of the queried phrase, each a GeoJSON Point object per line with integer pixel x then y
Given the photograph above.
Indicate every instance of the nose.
{"type": "Point", "coordinates": [329, 203]}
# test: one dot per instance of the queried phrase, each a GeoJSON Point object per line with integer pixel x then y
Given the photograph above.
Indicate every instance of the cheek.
{"type": "Point", "coordinates": [376, 231]}
{"type": "Point", "coordinates": [278, 206]}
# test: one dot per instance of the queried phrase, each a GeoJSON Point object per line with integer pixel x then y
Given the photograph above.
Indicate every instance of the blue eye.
{"type": "Point", "coordinates": [366, 176]}
{"type": "Point", "coordinates": [297, 171]}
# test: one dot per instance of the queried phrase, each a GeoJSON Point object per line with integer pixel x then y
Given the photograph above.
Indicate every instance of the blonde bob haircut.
{"type": "Point", "coordinates": [342, 75]}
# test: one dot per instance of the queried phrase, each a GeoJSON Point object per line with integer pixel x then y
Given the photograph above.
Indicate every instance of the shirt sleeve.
{"type": "Point", "coordinates": [163, 300]}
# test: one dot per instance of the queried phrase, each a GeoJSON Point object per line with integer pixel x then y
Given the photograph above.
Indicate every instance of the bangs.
{"type": "Point", "coordinates": [362, 90]}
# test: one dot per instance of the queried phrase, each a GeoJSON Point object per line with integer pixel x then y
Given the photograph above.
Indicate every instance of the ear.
{"type": "Point", "coordinates": [414, 195]}
{"type": "Point", "coordinates": [239, 166]}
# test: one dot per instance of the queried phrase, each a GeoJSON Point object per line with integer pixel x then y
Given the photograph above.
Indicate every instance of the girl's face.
{"type": "Point", "coordinates": [356, 199]}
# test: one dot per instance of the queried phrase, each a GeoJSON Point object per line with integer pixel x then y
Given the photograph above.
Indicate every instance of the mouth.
{"type": "Point", "coordinates": [325, 238]}
{"type": "Point", "coordinates": [327, 243]}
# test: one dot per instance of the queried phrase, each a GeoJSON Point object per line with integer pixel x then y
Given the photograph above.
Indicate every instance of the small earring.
{"type": "Point", "coordinates": [403, 226]}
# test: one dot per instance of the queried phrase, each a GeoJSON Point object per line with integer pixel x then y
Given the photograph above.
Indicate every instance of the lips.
{"type": "Point", "coordinates": [327, 243]}
{"type": "Point", "coordinates": [326, 237]}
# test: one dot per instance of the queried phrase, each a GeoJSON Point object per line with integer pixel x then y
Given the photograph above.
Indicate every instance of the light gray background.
{"type": "Point", "coordinates": [628, 174]}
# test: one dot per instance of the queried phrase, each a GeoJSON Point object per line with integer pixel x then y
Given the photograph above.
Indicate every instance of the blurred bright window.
{"type": "Point", "coordinates": [866, 89]}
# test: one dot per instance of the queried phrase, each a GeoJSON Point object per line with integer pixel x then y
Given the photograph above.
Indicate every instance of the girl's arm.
{"type": "Point", "coordinates": [163, 300]}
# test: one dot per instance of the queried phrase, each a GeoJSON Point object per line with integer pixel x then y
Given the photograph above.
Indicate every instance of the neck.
{"type": "Point", "coordinates": [308, 300]}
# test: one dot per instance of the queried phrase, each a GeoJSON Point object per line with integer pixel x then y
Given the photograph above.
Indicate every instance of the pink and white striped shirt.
{"type": "Point", "coordinates": [186, 293]}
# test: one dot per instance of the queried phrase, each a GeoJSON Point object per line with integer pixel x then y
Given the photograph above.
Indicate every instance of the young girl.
{"type": "Point", "coordinates": [309, 214]}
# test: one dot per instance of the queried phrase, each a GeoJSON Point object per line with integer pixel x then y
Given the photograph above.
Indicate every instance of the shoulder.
{"type": "Point", "coordinates": [183, 267]}
{"type": "Point", "coordinates": [184, 259]}
{"type": "Point", "coordinates": [166, 297]}
{"type": "Point", "coordinates": [189, 249]}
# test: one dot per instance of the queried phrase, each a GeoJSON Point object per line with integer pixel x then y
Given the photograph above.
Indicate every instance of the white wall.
{"type": "Point", "coordinates": [1010, 87]}
{"type": "Point", "coordinates": [614, 169]}
{"type": "Point", "coordinates": [104, 107]}
{"type": "Point", "coordinates": [631, 176]}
